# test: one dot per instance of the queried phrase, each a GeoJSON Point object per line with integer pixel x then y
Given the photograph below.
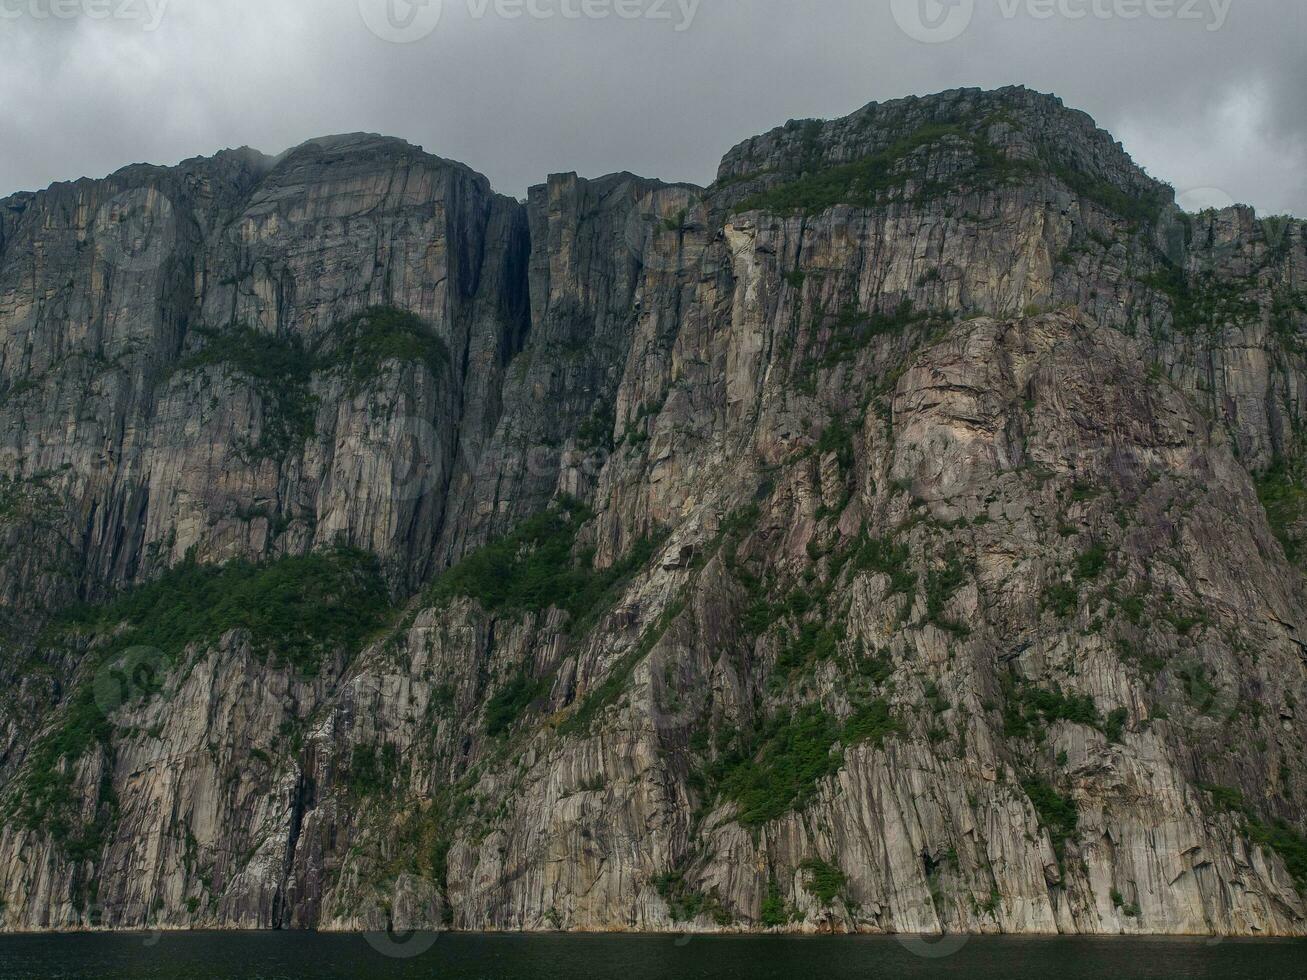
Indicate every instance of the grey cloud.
{"type": "Point", "coordinates": [517, 98]}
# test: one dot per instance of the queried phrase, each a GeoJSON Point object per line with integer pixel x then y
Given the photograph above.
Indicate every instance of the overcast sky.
{"type": "Point", "coordinates": [1210, 95]}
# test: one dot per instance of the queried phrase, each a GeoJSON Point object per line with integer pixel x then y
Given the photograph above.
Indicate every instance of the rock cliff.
{"type": "Point", "coordinates": [904, 533]}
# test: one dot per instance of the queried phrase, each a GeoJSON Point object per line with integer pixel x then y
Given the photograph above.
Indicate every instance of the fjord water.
{"type": "Point", "coordinates": [271, 956]}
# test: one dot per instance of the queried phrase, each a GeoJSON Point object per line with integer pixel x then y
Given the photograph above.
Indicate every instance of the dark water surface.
{"type": "Point", "coordinates": [294, 955]}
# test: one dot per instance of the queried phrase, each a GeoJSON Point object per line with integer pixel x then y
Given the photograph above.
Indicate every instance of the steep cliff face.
{"type": "Point", "coordinates": [901, 534]}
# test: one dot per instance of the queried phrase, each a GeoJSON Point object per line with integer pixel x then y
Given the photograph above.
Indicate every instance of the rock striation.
{"type": "Point", "coordinates": [902, 534]}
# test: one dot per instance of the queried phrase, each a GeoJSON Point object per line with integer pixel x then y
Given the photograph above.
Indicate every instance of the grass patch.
{"type": "Point", "coordinates": [295, 610]}
{"type": "Point", "coordinates": [1062, 598]}
{"type": "Point", "coordinates": [1287, 312]}
{"type": "Point", "coordinates": [1027, 709]}
{"type": "Point", "coordinates": [512, 700]}
{"type": "Point", "coordinates": [774, 912]}
{"type": "Point", "coordinates": [615, 683]}
{"type": "Point", "coordinates": [1115, 725]}
{"type": "Point", "coordinates": [793, 754]}
{"type": "Point", "coordinates": [45, 800]}
{"type": "Point", "coordinates": [372, 773]}
{"type": "Point", "coordinates": [596, 432]}
{"type": "Point", "coordinates": [837, 438]}
{"type": "Point", "coordinates": [27, 500]}
{"type": "Point", "coordinates": [1141, 208]}
{"type": "Point", "coordinates": [364, 344]}
{"type": "Point", "coordinates": [1057, 814]}
{"type": "Point", "coordinates": [280, 368]}
{"type": "Point", "coordinates": [535, 567]}
{"type": "Point", "coordinates": [777, 768]}
{"type": "Point", "coordinates": [1285, 501]}
{"type": "Point", "coordinates": [871, 722]}
{"type": "Point", "coordinates": [851, 331]}
{"type": "Point", "coordinates": [889, 558]}
{"type": "Point", "coordinates": [824, 881]}
{"type": "Point", "coordinates": [1091, 564]}
{"type": "Point", "coordinates": [867, 182]}
{"type": "Point", "coordinates": [1196, 682]}
{"type": "Point", "coordinates": [814, 643]}
{"type": "Point", "coordinates": [941, 585]}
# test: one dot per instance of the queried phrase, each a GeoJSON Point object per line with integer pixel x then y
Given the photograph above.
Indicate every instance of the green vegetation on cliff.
{"type": "Point", "coordinates": [1027, 709]}
{"type": "Point", "coordinates": [685, 903]}
{"type": "Point", "coordinates": [1057, 813]}
{"type": "Point", "coordinates": [1277, 835]}
{"type": "Point", "coordinates": [938, 158]}
{"type": "Point", "coordinates": [294, 612]}
{"type": "Point", "coordinates": [508, 704]}
{"type": "Point", "coordinates": [580, 721]}
{"type": "Point", "coordinates": [1138, 208]}
{"type": "Point", "coordinates": [871, 722]}
{"type": "Point", "coordinates": [776, 768]}
{"type": "Point", "coordinates": [790, 755]}
{"type": "Point", "coordinates": [364, 344]}
{"type": "Point", "coordinates": [280, 367]}
{"type": "Point", "coordinates": [537, 566]}
{"type": "Point", "coordinates": [864, 182]}
{"type": "Point", "coordinates": [838, 338]}
{"type": "Point", "coordinates": [372, 772]}
{"type": "Point", "coordinates": [1203, 303]}
{"type": "Point", "coordinates": [824, 881]}
{"type": "Point", "coordinates": [1285, 500]}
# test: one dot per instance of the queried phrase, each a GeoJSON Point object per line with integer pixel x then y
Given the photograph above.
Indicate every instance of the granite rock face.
{"type": "Point", "coordinates": [901, 534]}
